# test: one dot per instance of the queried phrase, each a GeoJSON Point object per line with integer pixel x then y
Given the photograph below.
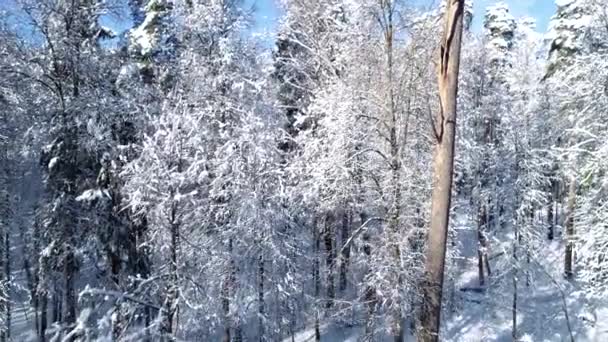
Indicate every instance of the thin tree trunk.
{"type": "Point", "coordinates": [369, 296]}
{"type": "Point", "coordinates": [4, 290]}
{"type": "Point", "coordinates": [36, 307]}
{"type": "Point", "coordinates": [228, 290]}
{"type": "Point", "coordinates": [169, 308]}
{"type": "Point", "coordinates": [514, 308]}
{"type": "Point", "coordinates": [550, 219]}
{"type": "Point", "coordinates": [394, 211]}
{"type": "Point", "coordinates": [261, 308]}
{"type": "Point", "coordinates": [43, 317]}
{"type": "Point", "coordinates": [70, 271]}
{"type": "Point", "coordinates": [330, 256]}
{"type": "Point", "coordinates": [7, 272]}
{"type": "Point", "coordinates": [138, 262]}
{"type": "Point", "coordinates": [57, 300]}
{"type": "Point", "coordinates": [568, 260]}
{"type": "Point", "coordinates": [481, 225]}
{"type": "Point", "coordinates": [514, 279]}
{"type": "Point", "coordinates": [345, 252]}
{"type": "Point", "coordinates": [444, 127]}
{"type": "Point", "coordinates": [316, 275]}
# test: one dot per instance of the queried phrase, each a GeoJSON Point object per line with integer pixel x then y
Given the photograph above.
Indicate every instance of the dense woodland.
{"type": "Point", "coordinates": [186, 180]}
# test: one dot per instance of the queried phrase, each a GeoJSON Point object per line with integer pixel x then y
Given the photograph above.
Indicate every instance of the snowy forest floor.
{"type": "Point", "coordinates": [475, 315]}
{"type": "Point", "coordinates": [470, 314]}
{"type": "Point", "coordinates": [542, 289]}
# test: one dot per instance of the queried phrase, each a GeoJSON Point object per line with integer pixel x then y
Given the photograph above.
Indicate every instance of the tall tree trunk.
{"type": "Point", "coordinates": [57, 300]}
{"type": "Point", "coordinates": [394, 211]}
{"type": "Point", "coordinates": [43, 316]}
{"type": "Point", "coordinates": [345, 252]}
{"type": "Point", "coordinates": [4, 290]}
{"type": "Point", "coordinates": [330, 257]}
{"type": "Point", "coordinates": [316, 275]}
{"type": "Point", "coordinates": [226, 293]}
{"type": "Point", "coordinates": [568, 260]}
{"type": "Point", "coordinates": [444, 127]}
{"type": "Point", "coordinates": [70, 287]}
{"type": "Point", "coordinates": [369, 294]}
{"type": "Point", "coordinates": [139, 262]}
{"type": "Point", "coordinates": [550, 219]}
{"type": "Point", "coordinates": [481, 243]}
{"type": "Point", "coordinates": [516, 242]}
{"type": "Point", "coordinates": [261, 307]}
{"type": "Point", "coordinates": [551, 214]}
{"type": "Point", "coordinates": [170, 306]}
{"type": "Point", "coordinates": [7, 272]}
{"type": "Point", "coordinates": [31, 277]}
{"type": "Point", "coordinates": [514, 308]}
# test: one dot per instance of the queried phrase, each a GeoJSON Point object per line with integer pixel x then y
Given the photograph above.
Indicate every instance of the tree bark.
{"type": "Point", "coordinates": [7, 272]}
{"type": "Point", "coordinates": [345, 252]}
{"type": "Point", "coordinates": [516, 242]}
{"type": "Point", "coordinates": [514, 308]}
{"type": "Point", "coordinates": [4, 290]}
{"type": "Point", "coordinates": [550, 218]}
{"type": "Point", "coordinates": [316, 275]}
{"type": "Point", "coordinates": [43, 316]}
{"type": "Point", "coordinates": [370, 291]}
{"type": "Point", "coordinates": [330, 257]}
{"type": "Point", "coordinates": [261, 308]}
{"type": "Point", "coordinates": [481, 244]}
{"type": "Point", "coordinates": [444, 127]}
{"type": "Point", "coordinates": [70, 287]}
{"type": "Point", "coordinates": [568, 260]}
{"type": "Point", "coordinates": [228, 291]}
{"type": "Point", "coordinates": [170, 307]}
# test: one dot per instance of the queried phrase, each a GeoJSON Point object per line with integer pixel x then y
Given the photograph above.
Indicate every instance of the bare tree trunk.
{"type": "Point", "coordinates": [481, 226]}
{"type": "Point", "coordinates": [550, 219]}
{"type": "Point", "coordinates": [169, 307]}
{"type": "Point", "coordinates": [70, 287]}
{"type": "Point", "coordinates": [316, 275]}
{"type": "Point", "coordinates": [31, 277]}
{"type": "Point", "coordinates": [369, 296]}
{"type": "Point", "coordinates": [514, 279]}
{"type": "Point", "coordinates": [43, 316]}
{"type": "Point", "coordinates": [330, 257]}
{"type": "Point", "coordinates": [514, 308]}
{"type": "Point", "coordinates": [138, 263]}
{"type": "Point", "coordinates": [345, 252]}
{"type": "Point", "coordinates": [568, 260]}
{"type": "Point", "coordinates": [261, 308]}
{"type": "Point", "coordinates": [227, 292]}
{"type": "Point", "coordinates": [7, 272]}
{"type": "Point", "coordinates": [444, 127]}
{"type": "Point", "coordinates": [369, 292]}
{"type": "Point", "coordinates": [57, 300]}
{"type": "Point", "coordinates": [4, 290]}
{"type": "Point", "coordinates": [394, 212]}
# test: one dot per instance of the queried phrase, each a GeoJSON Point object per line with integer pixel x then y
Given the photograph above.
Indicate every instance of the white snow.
{"type": "Point", "coordinates": [93, 194]}
{"type": "Point", "coordinates": [53, 162]}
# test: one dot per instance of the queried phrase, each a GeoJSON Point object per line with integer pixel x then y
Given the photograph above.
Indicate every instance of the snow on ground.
{"type": "Point", "coordinates": [478, 316]}
{"type": "Point", "coordinates": [328, 333]}
{"type": "Point", "coordinates": [470, 315]}
{"type": "Point", "coordinates": [487, 315]}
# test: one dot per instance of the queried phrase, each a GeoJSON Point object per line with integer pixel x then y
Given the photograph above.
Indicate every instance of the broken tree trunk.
{"type": "Point", "coordinates": [444, 127]}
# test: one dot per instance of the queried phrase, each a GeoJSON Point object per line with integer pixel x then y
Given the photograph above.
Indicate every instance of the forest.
{"type": "Point", "coordinates": [370, 170]}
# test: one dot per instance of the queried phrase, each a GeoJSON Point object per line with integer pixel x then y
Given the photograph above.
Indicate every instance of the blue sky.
{"type": "Point", "coordinates": [268, 14]}
{"type": "Point", "coordinates": [541, 10]}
